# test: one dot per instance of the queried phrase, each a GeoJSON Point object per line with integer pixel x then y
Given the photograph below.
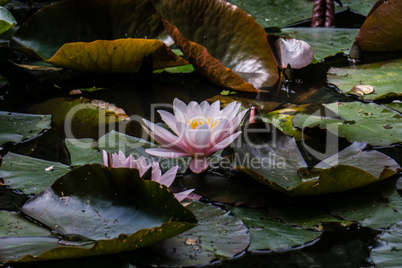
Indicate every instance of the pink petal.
{"type": "Point", "coordinates": [168, 177]}
{"type": "Point", "coordinates": [179, 109]}
{"type": "Point", "coordinates": [199, 164]}
{"type": "Point", "coordinates": [162, 152]}
{"type": "Point", "coordinates": [169, 119]}
{"type": "Point", "coordinates": [202, 136]}
{"type": "Point", "coordinates": [226, 142]}
{"type": "Point", "coordinates": [105, 158]}
{"type": "Point", "coordinates": [164, 137]}
{"type": "Point", "coordinates": [182, 195]}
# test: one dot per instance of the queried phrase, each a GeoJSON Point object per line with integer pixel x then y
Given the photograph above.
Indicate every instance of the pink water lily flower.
{"type": "Point", "coordinates": [121, 161]}
{"type": "Point", "coordinates": [201, 130]}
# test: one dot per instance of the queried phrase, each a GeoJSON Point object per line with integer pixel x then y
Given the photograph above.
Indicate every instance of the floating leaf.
{"type": "Point", "coordinates": [286, 50]}
{"type": "Point", "coordinates": [382, 29]}
{"type": "Point", "coordinates": [384, 77]}
{"type": "Point", "coordinates": [6, 20]}
{"type": "Point", "coordinates": [387, 249]}
{"type": "Point", "coordinates": [16, 127]}
{"type": "Point", "coordinates": [267, 233]}
{"type": "Point", "coordinates": [270, 13]}
{"type": "Point", "coordinates": [224, 43]}
{"type": "Point", "coordinates": [116, 56]}
{"type": "Point", "coordinates": [92, 34]}
{"type": "Point", "coordinates": [279, 164]}
{"type": "Point", "coordinates": [80, 118]}
{"type": "Point", "coordinates": [28, 174]}
{"type": "Point", "coordinates": [324, 41]}
{"type": "Point", "coordinates": [361, 6]}
{"type": "Point", "coordinates": [218, 236]}
{"type": "Point", "coordinates": [113, 206]}
{"type": "Point", "coordinates": [353, 121]}
{"type": "Point", "coordinates": [14, 224]}
{"type": "Point", "coordinates": [375, 206]}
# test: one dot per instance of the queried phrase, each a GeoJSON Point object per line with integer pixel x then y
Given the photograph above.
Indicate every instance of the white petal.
{"type": "Point", "coordinates": [204, 107]}
{"type": "Point", "coordinates": [193, 110]}
{"type": "Point", "coordinates": [213, 110]}
{"type": "Point", "coordinates": [162, 152]}
{"type": "Point", "coordinates": [229, 111]}
{"type": "Point", "coordinates": [201, 138]}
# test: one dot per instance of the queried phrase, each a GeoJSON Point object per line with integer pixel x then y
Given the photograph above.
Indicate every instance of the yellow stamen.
{"type": "Point", "coordinates": [201, 121]}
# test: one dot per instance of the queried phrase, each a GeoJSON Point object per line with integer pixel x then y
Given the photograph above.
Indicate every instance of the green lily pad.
{"type": "Point", "coordinates": [279, 164]}
{"type": "Point", "coordinates": [387, 249]}
{"type": "Point", "coordinates": [324, 41]}
{"type": "Point", "coordinates": [371, 123]}
{"type": "Point", "coordinates": [29, 174]}
{"type": "Point", "coordinates": [218, 236]}
{"type": "Point", "coordinates": [395, 105]}
{"type": "Point", "coordinates": [83, 151]}
{"type": "Point", "coordinates": [6, 20]}
{"type": "Point", "coordinates": [99, 36]}
{"type": "Point", "coordinates": [385, 77]}
{"type": "Point", "coordinates": [381, 30]}
{"type": "Point", "coordinates": [115, 207]}
{"type": "Point", "coordinates": [375, 206]}
{"type": "Point", "coordinates": [273, 13]}
{"type": "Point", "coordinates": [14, 224]}
{"type": "Point", "coordinates": [224, 43]}
{"type": "Point", "coordinates": [16, 127]}
{"type": "Point", "coordinates": [267, 233]}
{"type": "Point", "coordinates": [360, 6]}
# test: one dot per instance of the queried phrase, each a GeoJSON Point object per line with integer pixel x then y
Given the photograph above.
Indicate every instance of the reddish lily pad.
{"type": "Point", "coordinates": [222, 41]}
{"type": "Point", "coordinates": [382, 29]}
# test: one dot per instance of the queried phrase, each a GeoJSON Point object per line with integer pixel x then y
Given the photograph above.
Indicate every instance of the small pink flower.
{"type": "Point", "coordinates": [121, 161]}
{"type": "Point", "coordinates": [201, 129]}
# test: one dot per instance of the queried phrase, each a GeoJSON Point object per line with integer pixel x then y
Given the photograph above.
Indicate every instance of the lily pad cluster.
{"type": "Point", "coordinates": [314, 160]}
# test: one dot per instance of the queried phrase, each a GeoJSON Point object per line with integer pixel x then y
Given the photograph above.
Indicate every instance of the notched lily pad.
{"type": "Point", "coordinates": [224, 43]}
{"type": "Point", "coordinates": [16, 127]}
{"type": "Point", "coordinates": [387, 249]}
{"type": "Point", "coordinates": [115, 207]}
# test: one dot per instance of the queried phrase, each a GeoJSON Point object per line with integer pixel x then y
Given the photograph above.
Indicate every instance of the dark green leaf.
{"type": "Point", "coordinates": [14, 224]}
{"type": "Point", "coordinates": [267, 232]}
{"type": "Point", "coordinates": [218, 236]}
{"type": "Point", "coordinates": [16, 127]}
{"type": "Point", "coordinates": [29, 174]}
{"type": "Point", "coordinates": [6, 20]}
{"type": "Point", "coordinates": [371, 123]}
{"type": "Point", "coordinates": [387, 249]}
{"type": "Point", "coordinates": [384, 77]}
